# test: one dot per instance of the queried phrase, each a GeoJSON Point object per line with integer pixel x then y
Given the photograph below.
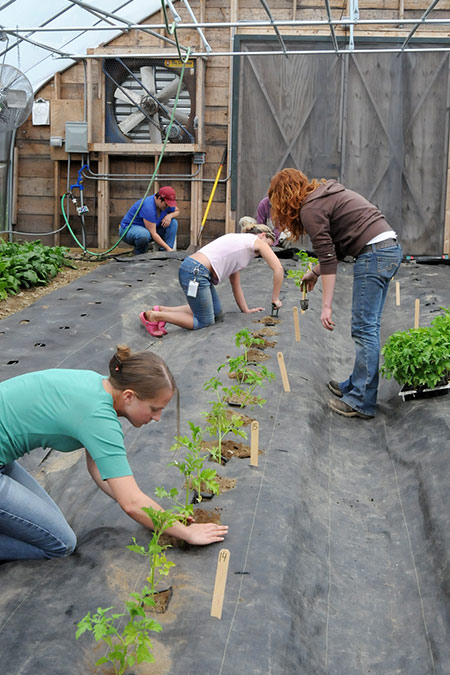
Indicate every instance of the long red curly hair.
{"type": "Point", "coordinates": [287, 191]}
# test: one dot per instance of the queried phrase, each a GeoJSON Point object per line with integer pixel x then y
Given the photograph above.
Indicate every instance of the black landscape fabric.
{"type": "Point", "coordinates": [339, 540]}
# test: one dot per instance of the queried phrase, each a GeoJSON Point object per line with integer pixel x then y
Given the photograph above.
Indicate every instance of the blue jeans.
{"type": "Point", "coordinates": [205, 306]}
{"type": "Point", "coordinates": [31, 525]}
{"type": "Point", "coordinates": [140, 237]}
{"type": "Point", "coordinates": [371, 276]}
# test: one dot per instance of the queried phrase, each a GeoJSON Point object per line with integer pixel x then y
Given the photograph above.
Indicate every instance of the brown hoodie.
{"type": "Point", "coordinates": [340, 222]}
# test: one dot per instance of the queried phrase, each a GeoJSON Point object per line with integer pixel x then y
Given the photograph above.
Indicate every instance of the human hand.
{"type": "Point", "coordinates": [277, 303]}
{"type": "Point", "coordinates": [166, 221]}
{"type": "Point", "coordinates": [205, 533]}
{"type": "Point", "coordinates": [310, 279]}
{"type": "Point", "coordinates": [254, 309]}
{"type": "Point", "coordinates": [325, 318]}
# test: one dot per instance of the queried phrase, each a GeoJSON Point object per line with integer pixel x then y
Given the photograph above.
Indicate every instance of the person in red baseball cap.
{"type": "Point", "coordinates": [152, 219]}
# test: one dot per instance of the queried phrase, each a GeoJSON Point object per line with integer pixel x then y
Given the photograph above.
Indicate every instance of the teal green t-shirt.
{"type": "Point", "coordinates": [64, 410]}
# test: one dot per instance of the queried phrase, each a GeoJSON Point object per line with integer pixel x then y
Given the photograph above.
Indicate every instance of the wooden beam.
{"type": "Point", "coordinates": [144, 148]}
{"type": "Point", "coordinates": [230, 216]}
{"type": "Point", "coordinates": [196, 206]}
{"type": "Point", "coordinates": [446, 243]}
{"type": "Point", "coordinates": [103, 204]}
{"type": "Point", "coordinates": [56, 201]}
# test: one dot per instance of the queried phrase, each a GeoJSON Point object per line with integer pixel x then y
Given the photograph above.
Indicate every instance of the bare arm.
{"type": "Point", "coordinates": [95, 475]}
{"type": "Point", "coordinates": [271, 259]}
{"type": "Point", "coordinates": [328, 283]}
{"type": "Point", "coordinates": [235, 281]}
{"type": "Point", "coordinates": [126, 492]}
{"type": "Point", "coordinates": [151, 227]}
{"type": "Point", "coordinates": [168, 217]}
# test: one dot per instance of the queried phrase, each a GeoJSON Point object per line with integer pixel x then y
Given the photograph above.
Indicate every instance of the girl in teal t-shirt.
{"type": "Point", "coordinates": [70, 409]}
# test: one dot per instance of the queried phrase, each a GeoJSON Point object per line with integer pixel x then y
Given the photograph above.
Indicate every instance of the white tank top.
{"type": "Point", "coordinates": [230, 253]}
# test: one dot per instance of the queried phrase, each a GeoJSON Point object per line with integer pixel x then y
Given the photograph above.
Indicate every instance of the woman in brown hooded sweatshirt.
{"type": "Point", "coordinates": [342, 223]}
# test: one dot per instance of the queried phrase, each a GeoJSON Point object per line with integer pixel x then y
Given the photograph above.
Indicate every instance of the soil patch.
{"type": "Point", "coordinates": [246, 420]}
{"type": "Point", "coordinates": [255, 355]}
{"type": "Point", "coordinates": [162, 600]}
{"type": "Point", "coordinates": [225, 484]}
{"type": "Point", "coordinates": [231, 449]}
{"type": "Point", "coordinates": [241, 400]}
{"type": "Point", "coordinates": [262, 332]}
{"type": "Point", "coordinates": [268, 321]}
{"type": "Point", "coordinates": [266, 343]}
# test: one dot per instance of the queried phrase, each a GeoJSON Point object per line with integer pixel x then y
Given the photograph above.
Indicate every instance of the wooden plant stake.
{"type": "Point", "coordinates": [220, 582]}
{"type": "Point", "coordinates": [296, 323]}
{"type": "Point", "coordinates": [283, 371]}
{"type": "Point", "coordinates": [397, 293]}
{"type": "Point", "coordinates": [254, 446]}
{"type": "Point", "coordinates": [416, 313]}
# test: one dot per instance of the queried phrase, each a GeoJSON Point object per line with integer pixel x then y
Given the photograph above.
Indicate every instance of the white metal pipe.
{"type": "Point", "coordinates": [193, 54]}
{"type": "Point", "coordinates": [200, 32]}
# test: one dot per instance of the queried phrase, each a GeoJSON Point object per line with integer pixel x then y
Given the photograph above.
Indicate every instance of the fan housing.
{"type": "Point", "coordinates": [140, 98]}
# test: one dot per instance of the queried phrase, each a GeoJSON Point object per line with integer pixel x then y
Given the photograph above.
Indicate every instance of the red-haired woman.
{"type": "Point", "coordinates": [342, 223]}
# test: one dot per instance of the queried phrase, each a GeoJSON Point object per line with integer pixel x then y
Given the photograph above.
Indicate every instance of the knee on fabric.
{"type": "Point", "coordinates": [62, 549]}
{"type": "Point", "coordinates": [203, 324]}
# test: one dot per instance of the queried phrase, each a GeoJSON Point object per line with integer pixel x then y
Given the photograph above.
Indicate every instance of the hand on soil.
{"type": "Point", "coordinates": [205, 533]}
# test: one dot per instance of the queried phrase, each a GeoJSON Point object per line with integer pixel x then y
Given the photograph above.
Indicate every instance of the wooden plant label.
{"type": "Point", "coordinates": [254, 446]}
{"type": "Point", "coordinates": [397, 293]}
{"type": "Point", "coordinates": [417, 313]}
{"type": "Point", "coordinates": [283, 371]}
{"type": "Point", "coordinates": [296, 323]}
{"type": "Point", "coordinates": [220, 583]}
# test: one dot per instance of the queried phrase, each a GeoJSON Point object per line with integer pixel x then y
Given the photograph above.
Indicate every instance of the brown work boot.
{"type": "Point", "coordinates": [333, 386]}
{"type": "Point", "coordinates": [344, 409]}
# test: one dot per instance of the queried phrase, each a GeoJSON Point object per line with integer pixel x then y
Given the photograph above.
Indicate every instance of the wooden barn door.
{"type": "Point", "coordinates": [377, 122]}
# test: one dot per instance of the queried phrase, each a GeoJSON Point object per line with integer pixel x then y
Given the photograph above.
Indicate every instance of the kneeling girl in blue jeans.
{"type": "Point", "coordinates": [200, 273]}
{"type": "Point", "coordinates": [70, 409]}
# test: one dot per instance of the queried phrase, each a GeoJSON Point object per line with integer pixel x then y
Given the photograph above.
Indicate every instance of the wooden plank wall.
{"type": "Point", "coordinates": [42, 171]}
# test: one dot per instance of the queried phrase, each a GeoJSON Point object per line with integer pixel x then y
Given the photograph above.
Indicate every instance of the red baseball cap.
{"type": "Point", "coordinates": [168, 194]}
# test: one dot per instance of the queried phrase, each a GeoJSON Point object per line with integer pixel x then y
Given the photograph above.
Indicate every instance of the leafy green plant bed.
{"type": "Point", "coordinates": [419, 358]}
{"type": "Point", "coordinates": [27, 265]}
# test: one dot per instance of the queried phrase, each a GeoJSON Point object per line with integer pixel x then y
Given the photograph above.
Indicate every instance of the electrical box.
{"type": "Point", "coordinates": [76, 137]}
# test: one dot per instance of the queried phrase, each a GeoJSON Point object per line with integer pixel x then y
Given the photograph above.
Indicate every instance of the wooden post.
{"type": "Point", "coordinates": [397, 293]}
{"type": "Point", "coordinates": [220, 583]}
{"type": "Point", "coordinates": [196, 206]}
{"type": "Point", "coordinates": [57, 204]}
{"type": "Point", "coordinates": [296, 323]}
{"type": "Point", "coordinates": [416, 313]}
{"type": "Point", "coordinates": [230, 216]}
{"type": "Point", "coordinates": [103, 203]}
{"type": "Point", "coordinates": [283, 371]}
{"type": "Point", "coordinates": [254, 447]}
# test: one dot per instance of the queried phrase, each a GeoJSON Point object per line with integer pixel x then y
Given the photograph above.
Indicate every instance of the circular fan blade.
{"type": "Point", "coordinates": [169, 90]}
{"type": "Point", "coordinates": [180, 116]}
{"type": "Point", "coordinates": [127, 97]}
{"type": "Point", "coordinates": [131, 121]}
{"type": "Point", "coordinates": [148, 79]}
{"type": "Point", "coordinates": [155, 132]}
